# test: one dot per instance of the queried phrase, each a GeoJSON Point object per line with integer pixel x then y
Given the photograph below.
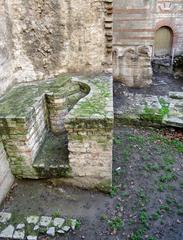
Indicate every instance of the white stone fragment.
{"type": "Point", "coordinates": [66, 228]}
{"type": "Point", "coordinates": [58, 222]}
{"type": "Point", "coordinates": [36, 228]}
{"type": "Point", "coordinates": [73, 223]}
{"type": "Point", "coordinates": [51, 231]}
{"type": "Point", "coordinates": [20, 226]}
{"type": "Point", "coordinates": [60, 231]}
{"type": "Point", "coordinates": [4, 217]}
{"type": "Point", "coordinates": [19, 234]}
{"type": "Point", "coordinates": [32, 219]}
{"type": "Point", "coordinates": [45, 221]}
{"type": "Point", "coordinates": [31, 237]}
{"type": "Point", "coordinates": [7, 232]}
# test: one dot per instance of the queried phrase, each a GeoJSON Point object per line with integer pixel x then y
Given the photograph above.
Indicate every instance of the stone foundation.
{"type": "Point", "coordinates": [6, 178]}
{"type": "Point", "coordinates": [31, 113]}
{"type": "Point", "coordinates": [24, 128]}
{"type": "Point", "coordinates": [90, 135]}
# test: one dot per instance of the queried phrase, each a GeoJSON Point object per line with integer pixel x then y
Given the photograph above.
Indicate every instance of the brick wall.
{"type": "Point", "coordinates": [134, 25]}
{"type": "Point", "coordinates": [90, 136]}
{"type": "Point", "coordinates": [136, 21]}
{"type": "Point", "coordinates": [6, 178]}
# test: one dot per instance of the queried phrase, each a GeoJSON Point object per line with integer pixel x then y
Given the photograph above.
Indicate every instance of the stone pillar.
{"type": "Point", "coordinates": [90, 155]}
{"type": "Point", "coordinates": [90, 136]}
{"type": "Point", "coordinates": [132, 65]}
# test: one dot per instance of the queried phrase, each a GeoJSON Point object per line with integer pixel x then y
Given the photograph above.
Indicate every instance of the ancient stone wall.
{"type": "Point", "coordinates": [6, 68]}
{"type": "Point", "coordinates": [84, 107]}
{"type": "Point", "coordinates": [90, 136]}
{"type": "Point", "coordinates": [134, 25]}
{"type": "Point", "coordinates": [6, 178]}
{"type": "Point", "coordinates": [42, 38]}
{"type": "Point", "coordinates": [28, 112]}
{"type": "Point", "coordinates": [20, 146]}
{"type": "Point", "coordinates": [36, 126]}
{"type": "Point", "coordinates": [59, 107]}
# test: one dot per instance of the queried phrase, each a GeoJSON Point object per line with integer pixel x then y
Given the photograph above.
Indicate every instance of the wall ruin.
{"type": "Point", "coordinates": [6, 177]}
{"type": "Point", "coordinates": [134, 25]}
{"type": "Point", "coordinates": [41, 39]}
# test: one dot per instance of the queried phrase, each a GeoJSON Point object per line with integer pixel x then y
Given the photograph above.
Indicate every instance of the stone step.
{"type": "Point", "coordinates": [52, 159]}
{"type": "Point", "coordinates": [175, 115]}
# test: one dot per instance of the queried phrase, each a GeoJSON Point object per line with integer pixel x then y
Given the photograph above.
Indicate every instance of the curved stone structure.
{"type": "Point", "coordinates": [33, 119]}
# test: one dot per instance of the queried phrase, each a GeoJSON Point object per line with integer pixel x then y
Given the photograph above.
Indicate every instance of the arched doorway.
{"type": "Point", "coordinates": [163, 42]}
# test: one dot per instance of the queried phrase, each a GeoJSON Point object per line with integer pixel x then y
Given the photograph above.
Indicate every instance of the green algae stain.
{"type": "Point", "coordinates": [97, 102]}
{"type": "Point", "coordinates": [18, 101]}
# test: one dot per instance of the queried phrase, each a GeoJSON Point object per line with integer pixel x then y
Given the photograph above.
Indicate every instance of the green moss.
{"type": "Point", "coordinates": [97, 102]}
{"type": "Point", "coordinates": [155, 115]}
{"type": "Point", "coordinates": [18, 101]}
{"type": "Point", "coordinates": [104, 186]}
{"type": "Point", "coordinates": [17, 218]}
{"type": "Point", "coordinates": [78, 137]}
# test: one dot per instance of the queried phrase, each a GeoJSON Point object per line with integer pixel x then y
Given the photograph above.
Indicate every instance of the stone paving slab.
{"type": "Point", "coordinates": [31, 227]}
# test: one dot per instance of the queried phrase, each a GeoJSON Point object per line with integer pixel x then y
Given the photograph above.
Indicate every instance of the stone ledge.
{"type": "Point", "coordinates": [94, 110]}
{"type": "Point", "coordinates": [27, 112]}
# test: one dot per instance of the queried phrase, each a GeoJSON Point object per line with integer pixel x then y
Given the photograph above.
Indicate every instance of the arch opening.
{"type": "Point", "coordinates": [163, 42]}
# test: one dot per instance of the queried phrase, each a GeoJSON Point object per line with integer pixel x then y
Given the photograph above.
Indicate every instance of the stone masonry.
{"type": "Point", "coordinates": [13, 226]}
{"type": "Point", "coordinates": [6, 177]}
{"type": "Point", "coordinates": [135, 23]}
{"type": "Point", "coordinates": [90, 135]}
{"type": "Point", "coordinates": [30, 112]}
{"type": "Point", "coordinates": [133, 66]}
{"type": "Point", "coordinates": [23, 126]}
{"type": "Point", "coordinates": [41, 39]}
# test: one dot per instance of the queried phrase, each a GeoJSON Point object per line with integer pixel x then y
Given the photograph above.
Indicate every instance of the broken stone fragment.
{"type": "Point", "coordinates": [58, 222]}
{"type": "Point", "coordinates": [20, 226]}
{"type": "Point", "coordinates": [45, 221]}
{"type": "Point", "coordinates": [32, 219]}
{"type": "Point", "coordinates": [19, 235]}
{"type": "Point", "coordinates": [36, 228]}
{"type": "Point", "coordinates": [60, 231]}
{"type": "Point", "coordinates": [31, 237]}
{"type": "Point", "coordinates": [51, 231]}
{"type": "Point", "coordinates": [73, 223]}
{"type": "Point", "coordinates": [66, 228]}
{"type": "Point", "coordinates": [4, 217]}
{"type": "Point", "coordinates": [7, 232]}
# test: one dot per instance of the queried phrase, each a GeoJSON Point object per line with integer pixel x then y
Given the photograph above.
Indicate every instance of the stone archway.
{"type": "Point", "coordinates": [163, 42]}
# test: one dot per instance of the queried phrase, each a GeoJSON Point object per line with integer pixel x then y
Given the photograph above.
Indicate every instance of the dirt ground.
{"type": "Point", "coordinates": [161, 85]}
{"type": "Point", "coordinates": [145, 201]}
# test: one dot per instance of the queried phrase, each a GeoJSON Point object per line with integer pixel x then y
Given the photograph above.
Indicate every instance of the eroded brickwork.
{"type": "Point", "coordinates": [134, 25]}
{"type": "Point", "coordinates": [6, 178]}
{"type": "Point", "coordinates": [40, 39]}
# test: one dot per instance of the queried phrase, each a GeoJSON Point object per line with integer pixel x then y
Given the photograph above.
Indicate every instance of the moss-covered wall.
{"type": "Point", "coordinates": [90, 135]}
{"type": "Point", "coordinates": [28, 112]}
{"type": "Point", "coordinates": [84, 107]}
